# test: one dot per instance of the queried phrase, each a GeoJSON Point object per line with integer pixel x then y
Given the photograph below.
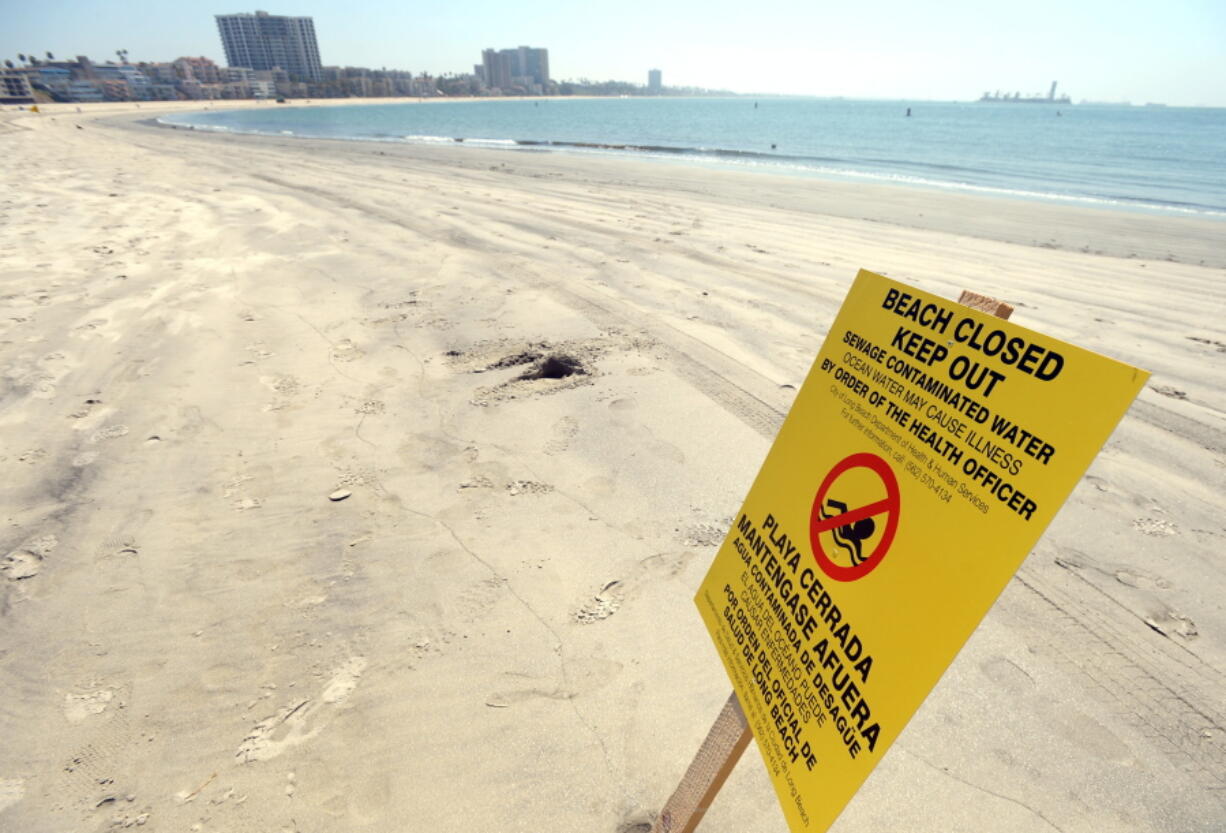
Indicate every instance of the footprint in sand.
{"type": "Point", "coordinates": [666, 564]}
{"type": "Point", "coordinates": [1141, 580]}
{"type": "Point", "coordinates": [1155, 526]}
{"type": "Point", "coordinates": [527, 487]}
{"type": "Point", "coordinates": [705, 533]}
{"type": "Point", "coordinates": [285, 385]}
{"type": "Point", "coordinates": [601, 606]}
{"type": "Point", "coordinates": [303, 719]}
{"type": "Point", "coordinates": [344, 680]}
{"type": "Point", "coordinates": [84, 459]}
{"type": "Point", "coordinates": [564, 430]}
{"type": "Point", "coordinates": [429, 641]}
{"type": "Point", "coordinates": [1168, 622]}
{"type": "Point", "coordinates": [111, 432]}
{"type": "Point", "coordinates": [236, 494]}
{"type": "Point", "coordinates": [26, 561]}
{"type": "Point", "coordinates": [613, 594]}
{"type": "Point", "coordinates": [259, 350]}
{"type": "Point", "coordinates": [20, 564]}
{"type": "Point", "coordinates": [90, 326]}
{"type": "Point", "coordinates": [346, 351]}
{"type": "Point", "coordinates": [506, 699]}
{"type": "Point", "coordinates": [84, 410]}
{"type": "Point", "coordinates": [78, 707]}
{"type": "Point", "coordinates": [1008, 675]}
{"type": "Point", "coordinates": [475, 600]}
{"type": "Point", "coordinates": [32, 455]}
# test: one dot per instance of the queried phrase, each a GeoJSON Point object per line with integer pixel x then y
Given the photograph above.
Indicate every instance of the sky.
{"type": "Point", "coordinates": [1169, 51]}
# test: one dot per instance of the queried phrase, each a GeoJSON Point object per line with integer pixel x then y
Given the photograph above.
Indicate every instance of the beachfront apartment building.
{"type": "Point", "coordinates": [15, 88]}
{"type": "Point", "coordinates": [55, 79]}
{"type": "Point", "coordinates": [264, 41]}
{"type": "Point", "coordinates": [654, 81]}
{"type": "Point", "coordinates": [85, 90]}
{"type": "Point", "coordinates": [161, 72]}
{"type": "Point", "coordinates": [510, 70]}
{"type": "Point", "coordinates": [88, 82]}
{"type": "Point", "coordinates": [199, 78]}
{"type": "Point", "coordinates": [137, 82]}
{"type": "Point", "coordinates": [197, 69]}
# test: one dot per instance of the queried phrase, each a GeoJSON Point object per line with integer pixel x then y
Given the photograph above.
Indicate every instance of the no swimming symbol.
{"type": "Point", "coordinates": [854, 517]}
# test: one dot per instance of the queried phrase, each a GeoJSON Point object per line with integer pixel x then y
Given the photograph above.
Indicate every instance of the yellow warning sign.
{"type": "Point", "coordinates": [926, 452]}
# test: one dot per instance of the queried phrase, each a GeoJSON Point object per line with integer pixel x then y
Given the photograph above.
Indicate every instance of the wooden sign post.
{"type": "Point", "coordinates": [716, 757]}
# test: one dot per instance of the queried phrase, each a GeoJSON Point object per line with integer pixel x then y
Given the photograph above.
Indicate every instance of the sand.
{"type": "Point", "coordinates": [290, 543]}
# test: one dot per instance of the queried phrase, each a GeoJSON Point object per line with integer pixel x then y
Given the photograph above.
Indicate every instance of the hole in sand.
{"type": "Point", "coordinates": [556, 366]}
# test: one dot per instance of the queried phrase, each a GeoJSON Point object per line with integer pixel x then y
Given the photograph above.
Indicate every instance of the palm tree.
{"type": "Point", "coordinates": [21, 58]}
{"type": "Point", "coordinates": [50, 57]}
{"type": "Point", "coordinates": [8, 62]}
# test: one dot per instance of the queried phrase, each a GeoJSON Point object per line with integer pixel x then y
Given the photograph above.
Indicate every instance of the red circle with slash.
{"type": "Point", "coordinates": [888, 505]}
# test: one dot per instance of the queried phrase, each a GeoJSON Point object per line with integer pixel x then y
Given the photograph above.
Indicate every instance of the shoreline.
{"type": "Point", "coordinates": [302, 535]}
{"type": "Point", "coordinates": [698, 158]}
{"type": "Point", "coordinates": [752, 162]}
{"type": "Point", "coordinates": [772, 165]}
{"type": "Point", "coordinates": [1085, 229]}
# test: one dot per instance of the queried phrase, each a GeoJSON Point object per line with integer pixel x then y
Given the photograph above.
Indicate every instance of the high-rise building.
{"type": "Point", "coordinates": [520, 67]}
{"type": "Point", "coordinates": [497, 71]}
{"type": "Point", "coordinates": [265, 41]}
{"type": "Point", "coordinates": [533, 63]}
{"type": "Point", "coordinates": [653, 81]}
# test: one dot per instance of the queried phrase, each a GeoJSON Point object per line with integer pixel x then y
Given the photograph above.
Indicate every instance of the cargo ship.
{"type": "Point", "coordinates": [1018, 98]}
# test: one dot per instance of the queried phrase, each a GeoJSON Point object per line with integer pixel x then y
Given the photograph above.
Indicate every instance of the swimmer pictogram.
{"type": "Point", "coordinates": [849, 528]}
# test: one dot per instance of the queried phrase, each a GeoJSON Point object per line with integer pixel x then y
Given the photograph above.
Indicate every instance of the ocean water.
{"type": "Point", "coordinates": [1157, 159]}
